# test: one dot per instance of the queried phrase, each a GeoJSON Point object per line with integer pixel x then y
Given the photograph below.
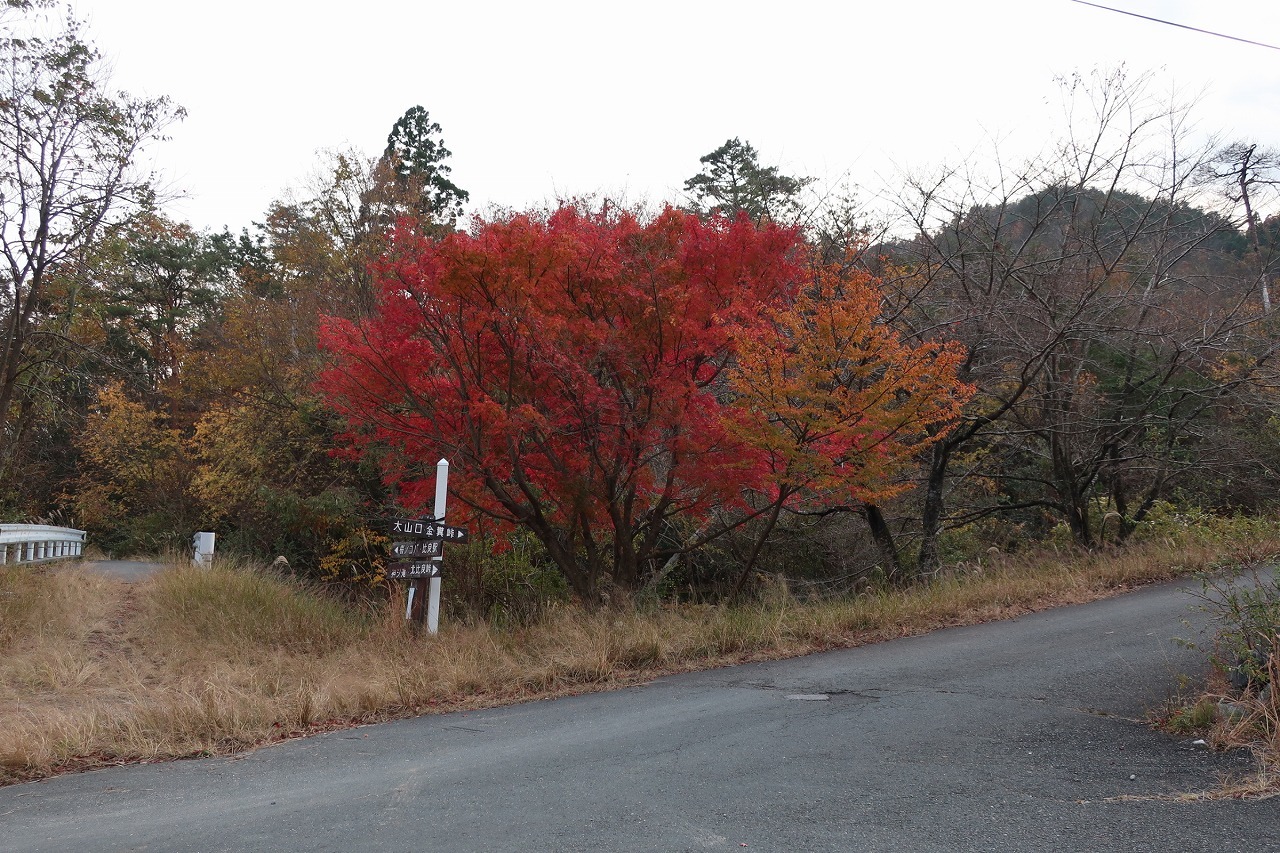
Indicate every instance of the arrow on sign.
{"type": "Point", "coordinates": [418, 548]}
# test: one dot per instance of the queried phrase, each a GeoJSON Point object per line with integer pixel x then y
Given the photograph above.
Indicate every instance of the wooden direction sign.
{"type": "Point", "coordinates": [418, 548]}
{"type": "Point", "coordinates": [426, 528]}
{"type": "Point", "coordinates": [414, 569]}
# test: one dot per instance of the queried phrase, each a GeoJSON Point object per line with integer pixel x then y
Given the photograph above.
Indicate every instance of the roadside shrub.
{"type": "Point", "coordinates": [1247, 607]}
{"type": "Point", "coordinates": [509, 587]}
{"type": "Point", "coordinates": [1195, 718]}
{"type": "Point", "coordinates": [1178, 523]}
{"type": "Point", "coordinates": [974, 541]}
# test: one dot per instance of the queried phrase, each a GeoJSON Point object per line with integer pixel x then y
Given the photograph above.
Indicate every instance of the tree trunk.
{"type": "Point", "coordinates": [758, 546]}
{"type": "Point", "coordinates": [929, 560]}
{"type": "Point", "coordinates": [883, 538]}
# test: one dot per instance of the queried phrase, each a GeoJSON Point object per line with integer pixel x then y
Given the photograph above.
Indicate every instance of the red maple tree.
{"type": "Point", "coordinates": [571, 365]}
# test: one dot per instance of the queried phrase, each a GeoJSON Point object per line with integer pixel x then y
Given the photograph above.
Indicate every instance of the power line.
{"type": "Point", "coordinates": [1172, 24]}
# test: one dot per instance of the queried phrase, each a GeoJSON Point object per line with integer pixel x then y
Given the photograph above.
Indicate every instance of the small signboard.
{"type": "Point", "coordinates": [426, 528]}
{"type": "Point", "coordinates": [418, 548]}
{"type": "Point", "coordinates": [414, 569]}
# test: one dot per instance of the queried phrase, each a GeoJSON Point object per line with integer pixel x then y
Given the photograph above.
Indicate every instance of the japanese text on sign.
{"type": "Point", "coordinates": [418, 548]}
{"type": "Point", "coordinates": [415, 569]}
{"type": "Point", "coordinates": [428, 529]}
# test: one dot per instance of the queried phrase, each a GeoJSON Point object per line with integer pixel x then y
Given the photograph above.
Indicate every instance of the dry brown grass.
{"type": "Point", "coordinates": [190, 662]}
{"type": "Point", "coordinates": [1231, 720]}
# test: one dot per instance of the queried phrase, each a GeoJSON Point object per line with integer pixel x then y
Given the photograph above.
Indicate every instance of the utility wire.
{"type": "Point", "coordinates": [1172, 24]}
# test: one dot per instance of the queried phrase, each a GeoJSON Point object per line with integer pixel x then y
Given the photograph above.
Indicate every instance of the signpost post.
{"type": "Point", "coordinates": [424, 553]}
{"type": "Point", "coordinates": [442, 495]}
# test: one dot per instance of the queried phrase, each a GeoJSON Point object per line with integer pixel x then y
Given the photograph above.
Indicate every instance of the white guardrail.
{"type": "Point", "coordinates": [34, 543]}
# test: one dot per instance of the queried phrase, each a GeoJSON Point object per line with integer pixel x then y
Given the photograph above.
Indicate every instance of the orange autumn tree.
{"type": "Point", "coordinates": [840, 406]}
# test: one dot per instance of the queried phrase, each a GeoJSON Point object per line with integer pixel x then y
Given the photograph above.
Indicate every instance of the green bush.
{"type": "Point", "coordinates": [1246, 607]}
{"type": "Point", "coordinates": [514, 585]}
{"type": "Point", "coordinates": [1166, 520]}
{"type": "Point", "coordinates": [1192, 718]}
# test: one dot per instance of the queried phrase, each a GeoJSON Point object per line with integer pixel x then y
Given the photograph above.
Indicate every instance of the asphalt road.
{"type": "Point", "coordinates": [1007, 736]}
{"type": "Point", "coordinates": [125, 570]}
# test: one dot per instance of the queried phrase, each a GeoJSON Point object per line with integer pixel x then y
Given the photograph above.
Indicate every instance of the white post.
{"type": "Point", "coordinates": [442, 495]}
{"type": "Point", "coordinates": [202, 550]}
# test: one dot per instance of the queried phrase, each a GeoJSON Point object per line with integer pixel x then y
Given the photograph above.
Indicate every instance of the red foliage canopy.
{"type": "Point", "coordinates": [571, 365]}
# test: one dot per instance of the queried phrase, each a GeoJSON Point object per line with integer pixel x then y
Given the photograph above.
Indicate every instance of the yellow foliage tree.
{"type": "Point", "coordinates": [131, 494]}
{"type": "Point", "coordinates": [267, 474]}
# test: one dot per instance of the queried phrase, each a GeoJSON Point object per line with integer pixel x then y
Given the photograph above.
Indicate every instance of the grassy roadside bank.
{"type": "Point", "coordinates": [96, 672]}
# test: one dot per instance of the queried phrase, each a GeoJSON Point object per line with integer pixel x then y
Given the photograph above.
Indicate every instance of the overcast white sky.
{"type": "Point", "coordinates": [540, 100]}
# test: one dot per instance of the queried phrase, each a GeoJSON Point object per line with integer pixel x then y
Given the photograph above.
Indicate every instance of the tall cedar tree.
{"type": "Point", "coordinates": [416, 154]}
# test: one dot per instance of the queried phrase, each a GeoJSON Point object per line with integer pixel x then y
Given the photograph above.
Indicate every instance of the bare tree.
{"type": "Point", "coordinates": [1247, 173]}
{"type": "Point", "coordinates": [1077, 281]}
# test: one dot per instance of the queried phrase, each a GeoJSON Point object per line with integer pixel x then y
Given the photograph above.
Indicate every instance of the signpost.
{"type": "Point", "coordinates": [426, 546]}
